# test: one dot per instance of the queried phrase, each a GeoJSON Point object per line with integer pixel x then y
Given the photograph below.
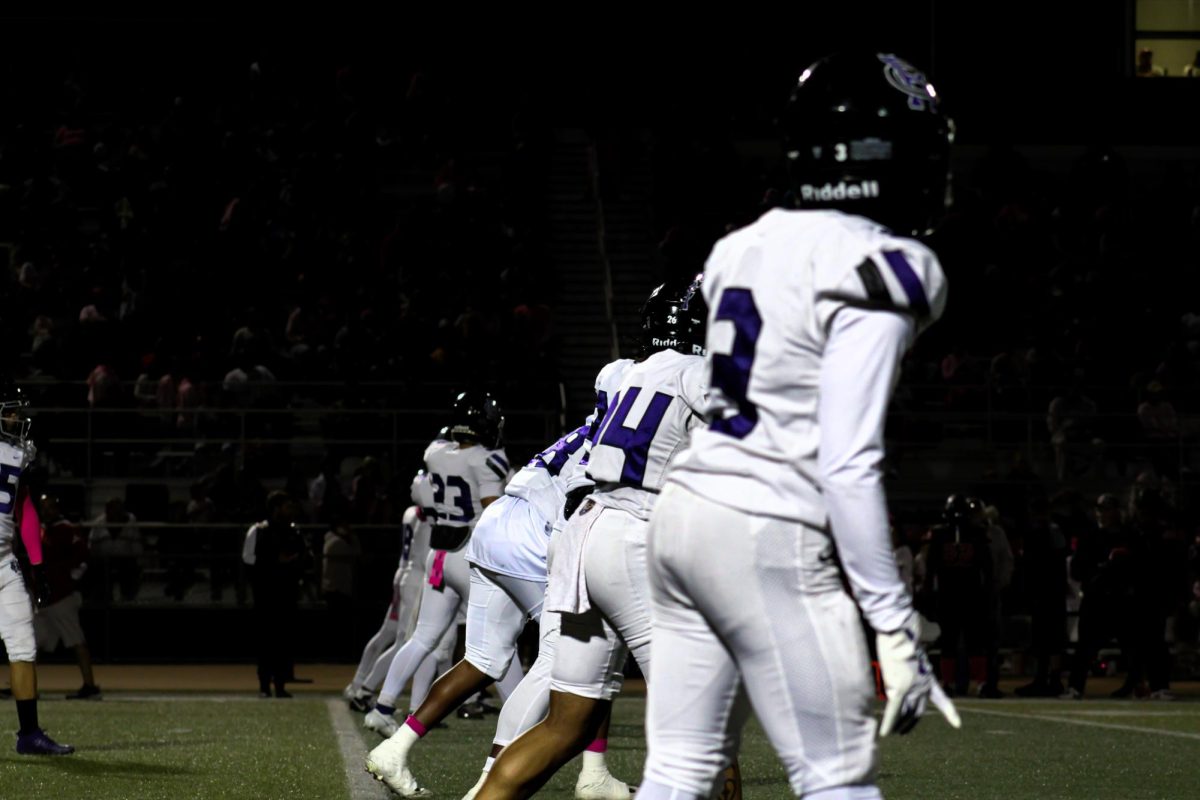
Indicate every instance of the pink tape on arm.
{"type": "Point", "coordinates": [31, 530]}
{"type": "Point", "coordinates": [436, 576]}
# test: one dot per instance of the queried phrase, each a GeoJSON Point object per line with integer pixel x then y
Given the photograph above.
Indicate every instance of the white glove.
{"type": "Point", "coordinates": [909, 680]}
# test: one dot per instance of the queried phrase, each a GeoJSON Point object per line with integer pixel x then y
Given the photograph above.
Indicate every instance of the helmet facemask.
{"type": "Point", "coordinates": [14, 421]}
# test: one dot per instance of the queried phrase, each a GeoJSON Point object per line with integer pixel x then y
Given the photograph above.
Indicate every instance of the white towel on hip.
{"type": "Point", "coordinates": [566, 592]}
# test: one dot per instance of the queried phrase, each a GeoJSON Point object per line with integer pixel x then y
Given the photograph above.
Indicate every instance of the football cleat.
{"type": "Point", "coordinates": [387, 763]}
{"type": "Point", "coordinates": [86, 692]}
{"type": "Point", "coordinates": [361, 703]}
{"type": "Point", "coordinates": [37, 743]}
{"type": "Point", "coordinates": [599, 784]}
{"type": "Point", "coordinates": [383, 724]}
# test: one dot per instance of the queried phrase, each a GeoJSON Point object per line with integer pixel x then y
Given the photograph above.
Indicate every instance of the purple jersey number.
{"type": "Point", "coordinates": [9, 477]}
{"type": "Point", "coordinates": [634, 441]}
{"type": "Point", "coordinates": [731, 373]}
{"type": "Point", "coordinates": [463, 501]}
{"type": "Point", "coordinates": [555, 457]}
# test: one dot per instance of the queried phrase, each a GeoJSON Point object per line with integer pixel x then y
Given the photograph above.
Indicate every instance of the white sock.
{"type": "Point", "coordinates": [404, 738]}
{"type": "Point", "coordinates": [487, 765]}
{"type": "Point", "coordinates": [594, 762]}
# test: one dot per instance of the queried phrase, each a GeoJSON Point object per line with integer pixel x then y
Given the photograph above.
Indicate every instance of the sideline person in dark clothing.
{"type": "Point", "coordinates": [65, 554]}
{"type": "Point", "coordinates": [275, 552]}
{"type": "Point", "coordinates": [1044, 561]}
{"type": "Point", "coordinates": [1104, 577]}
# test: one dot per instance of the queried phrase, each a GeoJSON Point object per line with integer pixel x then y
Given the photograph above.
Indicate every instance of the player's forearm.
{"type": "Point", "coordinates": [858, 515]}
{"type": "Point", "coordinates": [860, 367]}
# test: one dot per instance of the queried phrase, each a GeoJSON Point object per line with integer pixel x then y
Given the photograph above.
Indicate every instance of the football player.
{"type": "Point", "coordinates": [811, 311]}
{"type": "Point", "coordinates": [19, 518]}
{"type": "Point", "coordinates": [507, 554]}
{"type": "Point", "coordinates": [467, 472]}
{"type": "Point", "coordinates": [401, 615]}
{"type": "Point", "coordinates": [598, 576]}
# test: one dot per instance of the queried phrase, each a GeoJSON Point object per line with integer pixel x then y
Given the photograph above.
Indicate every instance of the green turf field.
{"type": "Point", "coordinates": [241, 747]}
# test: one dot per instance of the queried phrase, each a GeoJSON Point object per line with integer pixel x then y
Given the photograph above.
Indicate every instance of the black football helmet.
{"type": "Point", "coordinates": [477, 416]}
{"type": "Point", "coordinates": [675, 318]}
{"type": "Point", "coordinates": [14, 417]}
{"type": "Point", "coordinates": [961, 509]}
{"type": "Point", "coordinates": [864, 133]}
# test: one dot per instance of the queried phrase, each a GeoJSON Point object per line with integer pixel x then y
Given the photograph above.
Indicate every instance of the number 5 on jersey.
{"type": "Point", "coordinates": [9, 476]}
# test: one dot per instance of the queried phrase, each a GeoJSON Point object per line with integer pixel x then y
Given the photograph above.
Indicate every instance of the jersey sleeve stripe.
{"type": "Point", "coordinates": [873, 282]}
{"type": "Point", "coordinates": [500, 473]}
{"type": "Point", "coordinates": [909, 281]}
{"type": "Point", "coordinates": [597, 418]}
{"type": "Point", "coordinates": [499, 460]}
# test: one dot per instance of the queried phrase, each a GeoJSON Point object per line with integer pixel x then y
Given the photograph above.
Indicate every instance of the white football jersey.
{"type": "Point", "coordinates": [649, 418]}
{"type": "Point", "coordinates": [421, 490]}
{"type": "Point", "coordinates": [461, 477]}
{"type": "Point", "coordinates": [13, 461]}
{"type": "Point", "coordinates": [608, 383]}
{"type": "Point", "coordinates": [773, 289]}
{"type": "Point", "coordinates": [541, 482]}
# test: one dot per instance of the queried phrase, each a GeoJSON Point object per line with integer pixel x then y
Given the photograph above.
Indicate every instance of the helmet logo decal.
{"type": "Point", "coordinates": [870, 149]}
{"type": "Point", "coordinates": [864, 190]}
{"type": "Point", "coordinates": [908, 79]}
{"type": "Point", "coordinates": [691, 290]}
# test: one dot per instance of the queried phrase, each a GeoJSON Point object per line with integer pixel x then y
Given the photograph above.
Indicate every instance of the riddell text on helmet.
{"type": "Point", "coordinates": [697, 349]}
{"type": "Point", "coordinates": [840, 191]}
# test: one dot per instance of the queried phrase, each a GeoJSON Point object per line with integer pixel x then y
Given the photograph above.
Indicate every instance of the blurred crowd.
{"type": "Point", "coordinates": [315, 235]}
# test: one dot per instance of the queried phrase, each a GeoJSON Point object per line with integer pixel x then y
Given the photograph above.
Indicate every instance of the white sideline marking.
{"type": "Point", "coordinates": [1084, 722]}
{"type": "Point", "coordinates": [1116, 713]}
{"type": "Point", "coordinates": [354, 753]}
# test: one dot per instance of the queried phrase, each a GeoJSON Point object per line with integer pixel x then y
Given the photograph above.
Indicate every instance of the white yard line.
{"type": "Point", "coordinates": [354, 753]}
{"type": "Point", "coordinates": [1083, 722]}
